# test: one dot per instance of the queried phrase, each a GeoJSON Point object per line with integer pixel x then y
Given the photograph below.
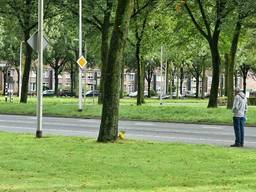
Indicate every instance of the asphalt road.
{"type": "Point", "coordinates": [155, 131]}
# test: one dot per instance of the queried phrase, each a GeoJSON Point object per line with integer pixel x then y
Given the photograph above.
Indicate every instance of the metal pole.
{"type": "Point", "coordinates": [165, 78]}
{"type": "Point", "coordinates": [80, 107]}
{"type": "Point", "coordinates": [161, 73]}
{"type": "Point", "coordinates": [40, 69]}
{"type": "Point", "coordinates": [20, 78]}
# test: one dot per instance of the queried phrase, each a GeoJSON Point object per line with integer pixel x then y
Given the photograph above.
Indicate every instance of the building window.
{"type": "Point", "coordinates": [46, 74]}
{"type": "Point", "coordinates": [130, 77]}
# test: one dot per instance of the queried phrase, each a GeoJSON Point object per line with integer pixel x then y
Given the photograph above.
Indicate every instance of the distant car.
{"type": "Point", "coordinates": [166, 96]}
{"type": "Point", "coordinates": [10, 91]}
{"type": "Point", "coordinates": [134, 94]}
{"type": "Point", "coordinates": [66, 93]}
{"type": "Point", "coordinates": [92, 93]}
{"type": "Point", "coordinates": [190, 94]}
{"type": "Point", "coordinates": [174, 95]}
{"type": "Point", "coordinates": [48, 93]}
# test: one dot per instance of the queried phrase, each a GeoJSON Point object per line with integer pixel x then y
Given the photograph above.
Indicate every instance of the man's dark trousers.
{"type": "Point", "coordinates": [239, 123]}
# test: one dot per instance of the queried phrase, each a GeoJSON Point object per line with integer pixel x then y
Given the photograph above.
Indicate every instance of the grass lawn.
{"type": "Point", "coordinates": [194, 111]}
{"type": "Point", "coordinates": [59, 164]}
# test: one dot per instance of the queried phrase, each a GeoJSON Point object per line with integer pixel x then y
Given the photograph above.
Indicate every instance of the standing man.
{"type": "Point", "coordinates": [239, 109]}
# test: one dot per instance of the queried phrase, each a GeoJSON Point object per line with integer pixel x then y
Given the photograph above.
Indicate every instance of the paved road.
{"type": "Point", "coordinates": [168, 132]}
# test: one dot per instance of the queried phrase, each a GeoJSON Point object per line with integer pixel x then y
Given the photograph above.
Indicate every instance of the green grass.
{"type": "Point", "coordinates": [190, 111]}
{"type": "Point", "coordinates": [58, 164]}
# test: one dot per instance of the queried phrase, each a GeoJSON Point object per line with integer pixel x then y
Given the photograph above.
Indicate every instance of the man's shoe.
{"type": "Point", "coordinates": [235, 145]}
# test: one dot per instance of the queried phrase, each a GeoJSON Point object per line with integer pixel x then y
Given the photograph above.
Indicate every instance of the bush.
{"type": "Point", "coordinates": [252, 101]}
{"type": "Point", "coordinates": [153, 93]}
{"type": "Point", "coordinates": [222, 101]}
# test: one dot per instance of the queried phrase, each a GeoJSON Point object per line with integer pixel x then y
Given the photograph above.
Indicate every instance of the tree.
{"type": "Point", "coordinates": [110, 111]}
{"type": "Point", "coordinates": [140, 28]}
{"type": "Point", "coordinates": [25, 12]}
{"type": "Point", "coordinates": [244, 9]}
{"type": "Point", "coordinates": [9, 44]}
{"type": "Point", "coordinates": [211, 36]}
{"type": "Point", "coordinates": [61, 50]}
{"type": "Point", "coordinates": [150, 67]}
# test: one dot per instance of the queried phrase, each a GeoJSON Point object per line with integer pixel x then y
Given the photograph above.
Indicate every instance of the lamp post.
{"type": "Point", "coordinates": [80, 107]}
{"type": "Point", "coordinates": [161, 77]}
{"type": "Point", "coordinates": [40, 69]}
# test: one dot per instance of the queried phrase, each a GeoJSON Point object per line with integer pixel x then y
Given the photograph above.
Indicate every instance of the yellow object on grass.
{"type": "Point", "coordinates": [121, 135]}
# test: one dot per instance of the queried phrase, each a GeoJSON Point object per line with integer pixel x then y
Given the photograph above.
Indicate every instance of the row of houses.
{"type": "Point", "coordinates": [91, 80]}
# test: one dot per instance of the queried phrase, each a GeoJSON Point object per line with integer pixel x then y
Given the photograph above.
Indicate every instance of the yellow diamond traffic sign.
{"type": "Point", "coordinates": [81, 62]}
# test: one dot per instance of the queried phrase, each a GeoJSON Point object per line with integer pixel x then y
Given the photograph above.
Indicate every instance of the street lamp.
{"type": "Point", "coordinates": [161, 77]}
{"type": "Point", "coordinates": [80, 107]}
{"type": "Point", "coordinates": [40, 69]}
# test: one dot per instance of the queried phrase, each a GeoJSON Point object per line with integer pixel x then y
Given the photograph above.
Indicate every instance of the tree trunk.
{"type": "Point", "coordinates": [122, 82]}
{"type": "Point", "coordinates": [177, 87]}
{"type": "Point", "coordinates": [18, 82]}
{"type": "Point", "coordinates": [27, 66]}
{"type": "Point", "coordinates": [215, 73]}
{"type": "Point", "coordinates": [181, 80]}
{"type": "Point", "coordinates": [56, 81]}
{"type": "Point", "coordinates": [110, 111]}
{"type": "Point", "coordinates": [5, 81]}
{"type": "Point", "coordinates": [244, 82]}
{"type": "Point", "coordinates": [76, 80]}
{"type": "Point", "coordinates": [226, 75]}
{"type": "Point", "coordinates": [154, 82]}
{"type": "Point", "coordinates": [203, 81]}
{"type": "Point", "coordinates": [140, 71]}
{"type": "Point", "coordinates": [197, 84]}
{"type": "Point", "coordinates": [244, 69]}
{"type": "Point", "coordinates": [72, 79]}
{"type": "Point", "coordinates": [149, 84]}
{"type": "Point", "coordinates": [105, 47]}
{"type": "Point", "coordinates": [170, 71]}
{"type": "Point", "coordinates": [236, 78]}
{"type": "Point", "coordinates": [167, 77]}
{"type": "Point", "coordinates": [231, 64]}
{"type": "Point", "coordinates": [222, 92]}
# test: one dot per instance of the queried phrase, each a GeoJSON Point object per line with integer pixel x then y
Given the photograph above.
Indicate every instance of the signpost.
{"type": "Point", "coordinates": [81, 60]}
{"type": "Point", "coordinates": [40, 69]}
{"type": "Point", "coordinates": [33, 41]}
{"type": "Point", "coordinates": [38, 42]}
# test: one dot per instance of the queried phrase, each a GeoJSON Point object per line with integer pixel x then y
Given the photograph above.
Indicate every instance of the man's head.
{"type": "Point", "coordinates": [237, 90]}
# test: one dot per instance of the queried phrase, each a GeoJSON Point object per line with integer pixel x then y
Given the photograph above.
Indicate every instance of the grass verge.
{"type": "Point", "coordinates": [57, 164]}
{"type": "Point", "coordinates": [189, 111]}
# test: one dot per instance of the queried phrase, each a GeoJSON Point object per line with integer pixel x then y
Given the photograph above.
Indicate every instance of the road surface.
{"type": "Point", "coordinates": [143, 130]}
